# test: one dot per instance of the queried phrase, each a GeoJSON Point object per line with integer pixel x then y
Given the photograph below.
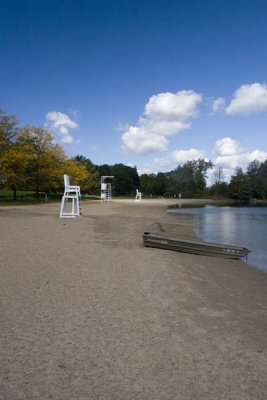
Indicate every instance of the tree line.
{"type": "Point", "coordinates": [189, 181]}
{"type": "Point", "coordinates": [31, 160]}
{"type": "Point", "coordinates": [124, 183]}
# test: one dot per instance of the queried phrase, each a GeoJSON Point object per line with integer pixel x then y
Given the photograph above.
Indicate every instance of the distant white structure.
{"type": "Point", "coordinates": [106, 188]}
{"type": "Point", "coordinates": [70, 209]}
{"type": "Point", "coordinates": [138, 196]}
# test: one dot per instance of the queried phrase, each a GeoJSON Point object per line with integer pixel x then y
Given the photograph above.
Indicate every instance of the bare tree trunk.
{"type": "Point", "coordinates": [14, 193]}
{"type": "Point", "coordinates": [37, 193]}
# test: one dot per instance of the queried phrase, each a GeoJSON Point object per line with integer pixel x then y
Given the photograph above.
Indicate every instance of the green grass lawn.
{"type": "Point", "coordinates": [23, 197]}
{"type": "Point", "coordinates": [28, 197]}
{"type": "Point", "coordinates": [9, 193]}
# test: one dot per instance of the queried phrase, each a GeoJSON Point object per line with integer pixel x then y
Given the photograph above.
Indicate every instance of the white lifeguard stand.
{"type": "Point", "coordinates": [70, 209]}
{"type": "Point", "coordinates": [106, 188]}
{"type": "Point", "coordinates": [138, 196]}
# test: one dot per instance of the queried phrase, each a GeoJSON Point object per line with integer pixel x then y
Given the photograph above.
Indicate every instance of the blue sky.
{"type": "Point", "coordinates": [148, 83]}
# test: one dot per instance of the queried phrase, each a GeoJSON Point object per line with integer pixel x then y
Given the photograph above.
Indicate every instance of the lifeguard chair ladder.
{"type": "Point", "coordinates": [106, 189]}
{"type": "Point", "coordinates": [70, 209]}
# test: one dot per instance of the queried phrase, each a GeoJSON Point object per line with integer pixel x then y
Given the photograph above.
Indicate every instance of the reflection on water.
{"type": "Point", "coordinates": [244, 226]}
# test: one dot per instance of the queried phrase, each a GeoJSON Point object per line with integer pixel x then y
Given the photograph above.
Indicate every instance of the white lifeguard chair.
{"type": "Point", "coordinates": [106, 189]}
{"type": "Point", "coordinates": [138, 196]}
{"type": "Point", "coordinates": [70, 209]}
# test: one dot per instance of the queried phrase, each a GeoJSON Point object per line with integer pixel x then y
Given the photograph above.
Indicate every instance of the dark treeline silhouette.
{"type": "Point", "coordinates": [189, 181]}
{"type": "Point", "coordinates": [125, 182]}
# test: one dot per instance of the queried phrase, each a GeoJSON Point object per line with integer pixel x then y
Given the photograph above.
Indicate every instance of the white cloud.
{"type": "Point", "coordinates": [162, 165]}
{"type": "Point", "coordinates": [258, 155]}
{"type": "Point", "coordinates": [61, 124]}
{"type": "Point", "coordinates": [182, 156]}
{"type": "Point", "coordinates": [157, 165]}
{"type": "Point", "coordinates": [232, 162]}
{"type": "Point", "coordinates": [165, 114]}
{"type": "Point", "coordinates": [230, 155]}
{"type": "Point", "coordinates": [248, 99]}
{"type": "Point", "coordinates": [227, 147]}
{"type": "Point", "coordinates": [139, 141]}
{"type": "Point", "coordinates": [174, 106]}
{"type": "Point", "coordinates": [218, 105]}
{"type": "Point", "coordinates": [170, 162]}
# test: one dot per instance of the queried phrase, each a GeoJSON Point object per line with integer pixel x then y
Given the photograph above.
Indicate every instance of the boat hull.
{"type": "Point", "coordinates": [194, 246]}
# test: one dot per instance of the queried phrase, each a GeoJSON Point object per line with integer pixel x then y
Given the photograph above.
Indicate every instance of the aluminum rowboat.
{"type": "Point", "coordinates": [194, 246]}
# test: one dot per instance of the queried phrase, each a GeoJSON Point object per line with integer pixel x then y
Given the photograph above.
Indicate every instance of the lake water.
{"type": "Point", "coordinates": [244, 226]}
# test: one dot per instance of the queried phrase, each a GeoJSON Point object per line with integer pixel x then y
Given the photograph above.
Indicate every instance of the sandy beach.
{"type": "Point", "coordinates": [88, 313]}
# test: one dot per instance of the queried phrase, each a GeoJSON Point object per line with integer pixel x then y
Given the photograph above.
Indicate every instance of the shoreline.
{"type": "Point", "coordinates": [89, 313]}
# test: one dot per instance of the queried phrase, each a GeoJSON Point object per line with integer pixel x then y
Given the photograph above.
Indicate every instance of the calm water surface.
{"type": "Point", "coordinates": [244, 226]}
